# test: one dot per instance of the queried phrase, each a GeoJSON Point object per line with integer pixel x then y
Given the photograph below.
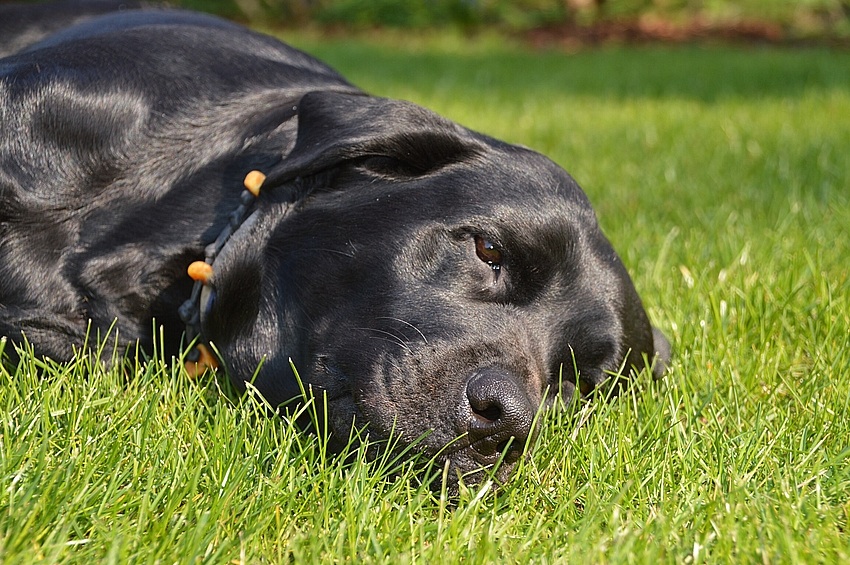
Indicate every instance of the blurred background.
{"type": "Point", "coordinates": [550, 22]}
{"type": "Point", "coordinates": [562, 20]}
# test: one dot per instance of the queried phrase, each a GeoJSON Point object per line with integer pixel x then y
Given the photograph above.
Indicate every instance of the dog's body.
{"type": "Point", "coordinates": [429, 279]}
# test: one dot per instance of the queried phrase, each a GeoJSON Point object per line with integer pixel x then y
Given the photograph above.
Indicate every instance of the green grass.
{"type": "Point", "coordinates": [721, 176]}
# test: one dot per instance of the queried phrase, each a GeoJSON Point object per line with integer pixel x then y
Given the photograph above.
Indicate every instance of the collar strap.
{"type": "Point", "coordinates": [199, 358]}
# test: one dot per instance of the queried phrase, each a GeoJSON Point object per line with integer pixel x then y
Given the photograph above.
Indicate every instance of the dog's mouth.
{"type": "Point", "coordinates": [484, 435]}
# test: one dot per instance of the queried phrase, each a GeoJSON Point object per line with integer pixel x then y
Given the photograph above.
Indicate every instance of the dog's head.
{"type": "Point", "coordinates": [429, 280]}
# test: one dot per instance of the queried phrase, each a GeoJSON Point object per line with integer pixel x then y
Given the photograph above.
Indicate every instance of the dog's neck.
{"type": "Point", "coordinates": [199, 358]}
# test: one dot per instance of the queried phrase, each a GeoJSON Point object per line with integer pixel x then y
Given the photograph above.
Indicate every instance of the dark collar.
{"type": "Point", "coordinates": [199, 358]}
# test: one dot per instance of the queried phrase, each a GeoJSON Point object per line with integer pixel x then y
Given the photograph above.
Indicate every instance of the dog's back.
{"type": "Point", "coordinates": [22, 25]}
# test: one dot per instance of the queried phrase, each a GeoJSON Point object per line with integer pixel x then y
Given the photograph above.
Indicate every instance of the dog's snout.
{"type": "Point", "coordinates": [501, 414]}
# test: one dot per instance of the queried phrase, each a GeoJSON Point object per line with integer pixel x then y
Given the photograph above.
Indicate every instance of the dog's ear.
{"type": "Point", "coordinates": [389, 137]}
{"type": "Point", "coordinates": [249, 317]}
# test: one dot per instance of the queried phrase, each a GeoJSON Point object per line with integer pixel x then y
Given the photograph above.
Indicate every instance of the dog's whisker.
{"type": "Point", "coordinates": [349, 254]}
{"type": "Point", "coordinates": [405, 322]}
{"type": "Point", "coordinates": [395, 339]}
{"type": "Point", "coordinates": [394, 342]}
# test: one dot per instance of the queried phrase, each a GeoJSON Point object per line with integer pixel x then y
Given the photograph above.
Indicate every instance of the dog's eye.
{"type": "Point", "coordinates": [488, 252]}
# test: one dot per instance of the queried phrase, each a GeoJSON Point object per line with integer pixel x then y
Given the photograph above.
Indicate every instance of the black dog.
{"type": "Point", "coordinates": [428, 279]}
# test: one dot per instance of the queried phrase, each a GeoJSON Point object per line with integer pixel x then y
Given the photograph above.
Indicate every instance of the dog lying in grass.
{"type": "Point", "coordinates": [165, 171]}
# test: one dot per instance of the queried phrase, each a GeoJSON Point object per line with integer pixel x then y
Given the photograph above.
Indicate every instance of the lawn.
{"type": "Point", "coordinates": [722, 177]}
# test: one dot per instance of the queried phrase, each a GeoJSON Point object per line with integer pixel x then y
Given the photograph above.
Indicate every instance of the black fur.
{"type": "Point", "coordinates": [124, 141]}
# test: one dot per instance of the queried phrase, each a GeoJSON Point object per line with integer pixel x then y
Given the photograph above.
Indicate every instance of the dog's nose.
{"type": "Point", "coordinates": [500, 411]}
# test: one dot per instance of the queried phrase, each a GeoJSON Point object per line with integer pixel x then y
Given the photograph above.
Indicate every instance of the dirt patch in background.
{"type": "Point", "coordinates": [655, 30]}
